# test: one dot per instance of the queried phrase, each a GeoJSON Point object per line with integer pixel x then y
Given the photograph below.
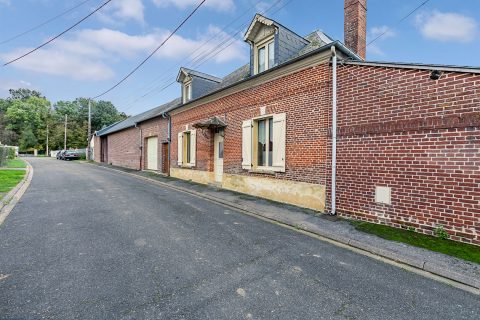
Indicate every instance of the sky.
{"type": "Point", "coordinates": [99, 52]}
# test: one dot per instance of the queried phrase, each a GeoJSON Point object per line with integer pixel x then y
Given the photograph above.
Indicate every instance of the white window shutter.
{"type": "Point", "coordinates": [193, 146]}
{"type": "Point", "coordinates": [247, 144]}
{"type": "Point", "coordinates": [180, 148]}
{"type": "Point", "coordinates": [279, 136]}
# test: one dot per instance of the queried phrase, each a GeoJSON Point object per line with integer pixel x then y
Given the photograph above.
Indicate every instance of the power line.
{"type": "Point", "coordinates": [398, 22]}
{"type": "Point", "coordinates": [153, 52]}
{"type": "Point", "coordinates": [207, 56]}
{"type": "Point", "coordinates": [59, 35]}
{"type": "Point", "coordinates": [191, 56]}
{"type": "Point", "coordinates": [44, 23]}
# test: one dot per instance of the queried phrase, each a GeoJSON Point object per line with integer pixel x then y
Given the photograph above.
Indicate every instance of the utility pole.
{"type": "Point", "coordinates": [89, 129]}
{"type": "Point", "coordinates": [46, 153]}
{"type": "Point", "coordinates": [65, 138]}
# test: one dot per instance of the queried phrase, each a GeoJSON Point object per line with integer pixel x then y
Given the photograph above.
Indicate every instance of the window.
{"type": "Point", "coordinates": [220, 150]}
{"type": "Point", "coordinates": [265, 56]}
{"type": "Point", "coordinates": [187, 91]}
{"type": "Point", "coordinates": [187, 148]}
{"type": "Point", "coordinates": [263, 143]}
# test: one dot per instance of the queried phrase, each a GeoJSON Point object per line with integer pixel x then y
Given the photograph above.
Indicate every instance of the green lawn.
{"type": "Point", "coordinates": [16, 163]}
{"type": "Point", "coordinates": [9, 179]}
{"type": "Point", "coordinates": [455, 249]}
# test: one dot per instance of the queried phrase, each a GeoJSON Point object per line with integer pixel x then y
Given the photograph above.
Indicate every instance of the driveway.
{"type": "Point", "coordinates": [88, 243]}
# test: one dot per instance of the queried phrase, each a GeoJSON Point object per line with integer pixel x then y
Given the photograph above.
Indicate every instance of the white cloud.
{"type": "Point", "coordinates": [220, 5]}
{"type": "Point", "coordinates": [91, 54]}
{"type": "Point", "coordinates": [122, 9]}
{"type": "Point", "coordinates": [447, 26]}
{"type": "Point", "coordinates": [61, 63]}
{"type": "Point", "coordinates": [178, 46]}
{"type": "Point", "coordinates": [384, 31]}
{"type": "Point", "coordinates": [375, 50]}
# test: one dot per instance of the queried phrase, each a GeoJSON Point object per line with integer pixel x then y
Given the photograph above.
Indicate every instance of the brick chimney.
{"type": "Point", "coordinates": [356, 26]}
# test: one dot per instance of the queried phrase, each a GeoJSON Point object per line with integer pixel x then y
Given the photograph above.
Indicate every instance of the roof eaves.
{"type": "Point", "coordinates": [420, 66]}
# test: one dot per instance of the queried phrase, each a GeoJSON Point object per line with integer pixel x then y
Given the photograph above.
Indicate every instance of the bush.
{"type": "Point", "coordinates": [6, 153]}
{"type": "Point", "coordinates": [11, 153]}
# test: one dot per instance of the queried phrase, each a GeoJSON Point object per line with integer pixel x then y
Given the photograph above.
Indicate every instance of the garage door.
{"type": "Point", "coordinates": [152, 153]}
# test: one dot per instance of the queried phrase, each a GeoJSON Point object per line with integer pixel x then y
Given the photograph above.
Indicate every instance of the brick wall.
{"type": "Point", "coordinates": [124, 148]}
{"type": "Point", "coordinates": [303, 96]}
{"type": "Point", "coordinates": [156, 127]}
{"type": "Point", "coordinates": [421, 137]}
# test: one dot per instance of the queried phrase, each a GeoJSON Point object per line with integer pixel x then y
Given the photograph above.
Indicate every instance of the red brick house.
{"type": "Point", "coordinates": [310, 123]}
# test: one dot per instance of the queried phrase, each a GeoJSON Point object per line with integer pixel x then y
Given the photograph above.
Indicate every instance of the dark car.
{"type": "Point", "coordinates": [70, 155]}
{"type": "Point", "coordinates": [60, 154]}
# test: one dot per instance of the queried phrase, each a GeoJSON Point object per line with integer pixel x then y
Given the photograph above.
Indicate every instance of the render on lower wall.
{"type": "Point", "coordinates": [302, 194]}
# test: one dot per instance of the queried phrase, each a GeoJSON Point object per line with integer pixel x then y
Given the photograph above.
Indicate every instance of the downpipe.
{"type": "Point", "coordinates": [169, 137]}
{"type": "Point", "coordinates": [333, 210]}
{"type": "Point", "coordinates": [140, 143]}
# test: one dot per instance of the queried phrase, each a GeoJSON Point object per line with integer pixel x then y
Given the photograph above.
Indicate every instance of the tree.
{"type": "Point", "coordinates": [28, 116]}
{"type": "Point", "coordinates": [25, 114]}
{"type": "Point", "coordinates": [27, 139]}
{"type": "Point", "coordinates": [22, 94]}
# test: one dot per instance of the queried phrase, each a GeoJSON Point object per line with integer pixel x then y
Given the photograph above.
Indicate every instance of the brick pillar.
{"type": "Point", "coordinates": [355, 26]}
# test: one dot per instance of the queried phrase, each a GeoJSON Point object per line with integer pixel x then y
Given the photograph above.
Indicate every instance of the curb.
{"type": "Point", "coordinates": [11, 199]}
{"type": "Point", "coordinates": [472, 284]}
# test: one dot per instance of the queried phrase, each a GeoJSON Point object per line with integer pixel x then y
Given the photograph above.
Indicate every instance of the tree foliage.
{"type": "Point", "coordinates": [26, 115]}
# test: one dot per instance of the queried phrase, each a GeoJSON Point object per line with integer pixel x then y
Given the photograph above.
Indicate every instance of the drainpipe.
{"type": "Point", "coordinates": [140, 145]}
{"type": "Point", "coordinates": [334, 131]}
{"type": "Point", "coordinates": [169, 137]}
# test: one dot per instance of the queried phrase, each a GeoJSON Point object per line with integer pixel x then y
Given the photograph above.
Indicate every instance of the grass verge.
{"type": "Point", "coordinates": [9, 179]}
{"type": "Point", "coordinates": [452, 248]}
{"type": "Point", "coordinates": [16, 163]}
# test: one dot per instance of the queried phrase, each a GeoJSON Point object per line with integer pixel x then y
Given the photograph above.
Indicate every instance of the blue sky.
{"type": "Point", "coordinates": [92, 57]}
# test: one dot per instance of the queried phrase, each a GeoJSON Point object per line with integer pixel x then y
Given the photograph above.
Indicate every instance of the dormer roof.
{"type": "Point", "coordinates": [257, 23]}
{"type": "Point", "coordinates": [185, 72]}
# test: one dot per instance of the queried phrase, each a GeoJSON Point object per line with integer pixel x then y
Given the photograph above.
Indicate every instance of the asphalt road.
{"type": "Point", "coordinates": [88, 243]}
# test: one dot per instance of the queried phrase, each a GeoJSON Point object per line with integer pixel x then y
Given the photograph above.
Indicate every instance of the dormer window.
{"type": "Point", "coordinates": [187, 91]}
{"type": "Point", "coordinates": [266, 56]}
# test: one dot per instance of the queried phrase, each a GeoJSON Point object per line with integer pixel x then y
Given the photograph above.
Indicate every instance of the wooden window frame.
{"type": "Point", "coordinates": [187, 91]}
{"type": "Point", "coordinates": [263, 44]}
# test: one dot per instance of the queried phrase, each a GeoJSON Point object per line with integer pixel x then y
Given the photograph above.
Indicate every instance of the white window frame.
{"type": "Point", "coordinates": [267, 141]}
{"type": "Point", "coordinates": [182, 148]}
{"type": "Point", "coordinates": [263, 44]}
{"type": "Point", "coordinates": [250, 147]}
{"type": "Point", "coordinates": [187, 91]}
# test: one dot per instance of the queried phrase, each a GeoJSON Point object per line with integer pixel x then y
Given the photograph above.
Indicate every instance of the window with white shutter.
{"type": "Point", "coordinates": [187, 148]}
{"type": "Point", "coordinates": [247, 144]}
{"type": "Point", "coordinates": [193, 147]}
{"type": "Point", "coordinates": [279, 136]}
{"type": "Point", "coordinates": [180, 149]}
{"type": "Point", "coordinates": [267, 136]}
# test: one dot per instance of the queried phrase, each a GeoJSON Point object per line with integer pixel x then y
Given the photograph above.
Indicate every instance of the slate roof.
{"type": "Point", "coordinates": [131, 121]}
{"type": "Point", "coordinates": [199, 74]}
{"type": "Point", "coordinates": [317, 40]}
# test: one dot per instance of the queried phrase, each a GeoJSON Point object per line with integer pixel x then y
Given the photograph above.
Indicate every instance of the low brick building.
{"type": "Point", "coordinates": [405, 148]}
{"type": "Point", "coordinates": [140, 142]}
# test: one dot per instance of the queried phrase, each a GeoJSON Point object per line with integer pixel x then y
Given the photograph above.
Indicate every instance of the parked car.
{"type": "Point", "coordinates": [70, 155]}
{"type": "Point", "coordinates": [60, 154]}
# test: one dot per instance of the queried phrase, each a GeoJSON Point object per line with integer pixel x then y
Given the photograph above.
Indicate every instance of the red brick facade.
{"type": "Point", "coordinates": [303, 96]}
{"type": "Point", "coordinates": [421, 137]}
{"type": "Point", "coordinates": [128, 147]}
{"type": "Point", "coordinates": [396, 128]}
